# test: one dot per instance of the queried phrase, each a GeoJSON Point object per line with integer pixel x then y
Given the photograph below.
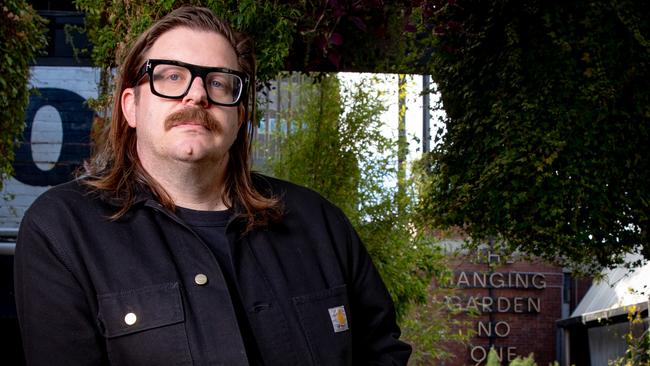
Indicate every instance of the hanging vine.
{"type": "Point", "coordinates": [22, 35]}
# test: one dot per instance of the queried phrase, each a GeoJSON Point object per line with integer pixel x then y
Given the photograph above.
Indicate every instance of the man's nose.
{"type": "Point", "coordinates": [197, 94]}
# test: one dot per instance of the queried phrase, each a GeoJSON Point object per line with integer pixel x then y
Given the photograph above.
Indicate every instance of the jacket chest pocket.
{"type": "Point", "coordinates": [325, 320]}
{"type": "Point", "coordinates": [145, 326]}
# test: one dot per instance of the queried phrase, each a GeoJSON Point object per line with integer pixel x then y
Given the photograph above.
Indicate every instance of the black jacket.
{"type": "Point", "coordinates": [91, 291]}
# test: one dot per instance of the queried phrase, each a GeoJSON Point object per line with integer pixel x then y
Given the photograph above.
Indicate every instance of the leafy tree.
{"type": "Point", "coordinates": [547, 127]}
{"type": "Point", "coordinates": [345, 157]}
{"type": "Point", "coordinates": [22, 34]}
{"type": "Point", "coordinates": [339, 150]}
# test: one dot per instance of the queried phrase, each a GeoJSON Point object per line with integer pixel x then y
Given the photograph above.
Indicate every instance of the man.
{"type": "Point", "coordinates": [168, 251]}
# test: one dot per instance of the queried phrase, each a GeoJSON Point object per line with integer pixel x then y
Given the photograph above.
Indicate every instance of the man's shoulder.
{"type": "Point", "coordinates": [289, 193]}
{"type": "Point", "coordinates": [306, 213]}
{"type": "Point", "coordinates": [70, 194]}
{"type": "Point", "coordinates": [70, 189]}
{"type": "Point", "coordinates": [294, 197]}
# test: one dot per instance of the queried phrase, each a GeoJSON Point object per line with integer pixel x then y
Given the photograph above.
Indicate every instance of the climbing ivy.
{"type": "Point", "coordinates": [548, 123]}
{"type": "Point", "coordinates": [22, 35]}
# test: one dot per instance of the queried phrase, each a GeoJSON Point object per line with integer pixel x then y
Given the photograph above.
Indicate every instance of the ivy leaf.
{"type": "Point", "coordinates": [358, 22]}
{"type": "Point", "coordinates": [336, 39]}
{"type": "Point", "coordinates": [334, 57]}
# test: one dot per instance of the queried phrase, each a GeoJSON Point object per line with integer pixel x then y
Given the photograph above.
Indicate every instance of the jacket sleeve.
{"type": "Point", "coordinates": [56, 323]}
{"type": "Point", "coordinates": [376, 333]}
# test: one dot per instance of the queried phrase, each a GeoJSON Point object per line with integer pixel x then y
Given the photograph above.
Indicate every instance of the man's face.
{"type": "Point", "coordinates": [187, 139]}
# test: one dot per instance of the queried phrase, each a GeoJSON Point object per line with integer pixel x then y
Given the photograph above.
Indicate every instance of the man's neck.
{"type": "Point", "coordinates": [193, 185]}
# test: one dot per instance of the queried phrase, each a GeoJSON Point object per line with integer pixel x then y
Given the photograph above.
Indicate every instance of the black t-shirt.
{"type": "Point", "coordinates": [211, 228]}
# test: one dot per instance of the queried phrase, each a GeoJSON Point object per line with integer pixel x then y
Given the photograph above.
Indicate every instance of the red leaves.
{"type": "Point", "coordinates": [336, 39]}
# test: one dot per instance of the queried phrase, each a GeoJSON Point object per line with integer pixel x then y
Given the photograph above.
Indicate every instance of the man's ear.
{"type": "Point", "coordinates": [241, 115]}
{"type": "Point", "coordinates": [128, 105]}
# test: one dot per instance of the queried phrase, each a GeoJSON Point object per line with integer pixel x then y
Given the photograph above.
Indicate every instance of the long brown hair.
{"type": "Point", "coordinates": [116, 168]}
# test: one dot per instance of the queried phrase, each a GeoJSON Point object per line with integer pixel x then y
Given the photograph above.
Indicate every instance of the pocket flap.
{"type": "Point", "coordinates": [325, 317]}
{"type": "Point", "coordinates": [140, 309]}
{"type": "Point", "coordinates": [327, 307]}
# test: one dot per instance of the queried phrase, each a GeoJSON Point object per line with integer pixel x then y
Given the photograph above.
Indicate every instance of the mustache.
{"type": "Point", "coordinates": [193, 114]}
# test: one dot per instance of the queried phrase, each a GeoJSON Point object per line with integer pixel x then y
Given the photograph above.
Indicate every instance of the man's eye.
{"type": "Point", "coordinates": [216, 84]}
{"type": "Point", "coordinates": [169, 76]}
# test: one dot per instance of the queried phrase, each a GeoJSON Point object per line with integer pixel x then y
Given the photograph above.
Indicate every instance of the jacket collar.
{"type": "Point", "coordinates": [144, 197]}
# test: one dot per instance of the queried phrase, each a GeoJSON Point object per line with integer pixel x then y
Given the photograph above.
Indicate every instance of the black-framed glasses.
{"type": "Point", "coordinates": [173, 79]}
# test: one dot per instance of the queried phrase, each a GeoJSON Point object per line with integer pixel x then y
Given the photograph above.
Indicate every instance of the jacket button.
{"type": "Point", "coordinates": [130, 318]}
{"type": "Point", "coordinates": [200, 279]}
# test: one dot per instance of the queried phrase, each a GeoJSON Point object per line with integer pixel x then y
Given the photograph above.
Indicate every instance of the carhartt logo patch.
{"type": "Point", "coordinates": [339, 319]}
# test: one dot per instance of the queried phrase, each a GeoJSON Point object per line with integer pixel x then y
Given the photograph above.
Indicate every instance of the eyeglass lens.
{"type": "Point", "coordinates": [173, 81]}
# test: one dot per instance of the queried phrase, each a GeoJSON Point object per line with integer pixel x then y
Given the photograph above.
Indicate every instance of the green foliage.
{"type": "Point", "coordinates": [319, 116]}
{"type": "Point", "coordinates": [113, 26]}
{"type": "Point", "coordinates": [340, 152]}
{"type": "Point", "coordinates": [638, 341]}
{"type": "Point", "coordinates": [337, 149]}
{"type": "Point", "coordinates": [527, 361]}
{"type": "Point", "coordinates": [297, 35]}
{"type": "Point", "coordinates": [493, 360]}
{"type": "Point", "coordinates": [349, 35]}
{"type": "Point", "coordinates": [432, 327]}
{"type": "Point", "coordinates": [548, 119]}
{"type": "Point", "coordinates": [22, 35]}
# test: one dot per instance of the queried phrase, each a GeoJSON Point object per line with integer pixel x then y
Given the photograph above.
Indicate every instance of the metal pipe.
{"type": "Point", "coordinates": [426, 114]}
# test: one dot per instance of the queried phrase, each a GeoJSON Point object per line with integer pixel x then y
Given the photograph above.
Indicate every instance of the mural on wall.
{"type": "Point", "coordinates": [56, 138]}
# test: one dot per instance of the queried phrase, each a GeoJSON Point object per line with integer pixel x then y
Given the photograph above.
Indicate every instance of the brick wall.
{"type": "Point", "coordinates": [516, 305]}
